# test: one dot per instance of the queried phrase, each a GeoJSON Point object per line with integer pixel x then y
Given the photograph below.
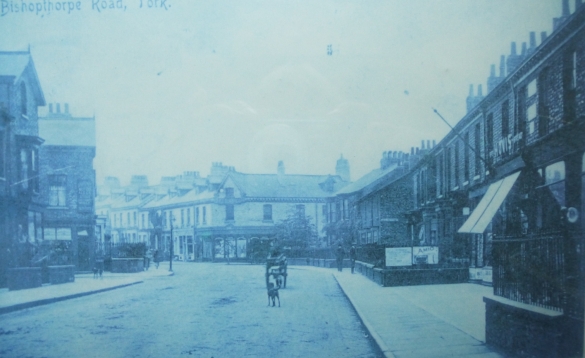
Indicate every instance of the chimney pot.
{"type": "Point", "coordinates": [532, 39]}
{"type": "Point", "coordinates": [58, 108]}
{"type": "Point", "coordinates": [411, 150]}
{"type": "Point", "coordinates": [479, 91]}
{"type": "Point", "coordinates": [502, 66]}
{"type": "Point", "coordinates": [524, 48]}
{"type": "Point", "coordinates": [513, 48]}
{"type": "Point", "coordinates": [542, 36]}
{"type": "Point", "coordinates": [428, 144]}
{"type": "Point", "coordinates": [50, 108]}
{"type": "Point", "coordinates": [470, 90]}
{"type": "Point", "coordinates": [493, 70]}
{"type": "Point", "coordinates": [422, 144]}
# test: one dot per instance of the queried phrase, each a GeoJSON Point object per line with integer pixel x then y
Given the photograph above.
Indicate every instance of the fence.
{"type": "Point", "coordinates": [530, 270]}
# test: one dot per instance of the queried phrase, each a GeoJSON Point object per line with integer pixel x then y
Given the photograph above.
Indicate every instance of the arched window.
{"type": "Point", "coordinates": [23, 101]}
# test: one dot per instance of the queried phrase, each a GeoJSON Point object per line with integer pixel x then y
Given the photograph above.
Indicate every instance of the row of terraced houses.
{"type": "Point", "coordinates": [503, 193]}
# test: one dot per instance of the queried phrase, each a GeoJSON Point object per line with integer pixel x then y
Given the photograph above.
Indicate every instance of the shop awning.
{"type": "Point", "coordinates": [483, 214]}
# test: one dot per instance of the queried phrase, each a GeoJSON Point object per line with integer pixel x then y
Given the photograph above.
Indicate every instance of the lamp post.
{"type": "Point", "coordinates": [172, 246]}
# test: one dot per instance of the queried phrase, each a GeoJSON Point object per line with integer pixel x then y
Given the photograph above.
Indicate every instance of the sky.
{"type": "Point", "coordinates": [176, 87]}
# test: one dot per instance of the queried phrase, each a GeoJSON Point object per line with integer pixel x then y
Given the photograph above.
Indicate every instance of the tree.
{"type": "Point", "coordinates": [345, 232]}
{"type": "Point", "coordinates": [295, 233]}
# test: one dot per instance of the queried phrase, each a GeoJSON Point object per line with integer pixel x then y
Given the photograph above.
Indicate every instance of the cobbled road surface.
{"type": "Point", "coordinates": [204, 310]}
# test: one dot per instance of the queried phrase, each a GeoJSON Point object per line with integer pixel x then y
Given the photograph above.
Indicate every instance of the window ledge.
{"type": "Point", "coordinates": [24, 116]}
{"type": "Point", "coordinates": [466, 183]}
{"type": "Point", "coordinates": [456, 188]}
{"type": "Point", "coordinates": [477, 177]}
{"type": "Point", "coordinates": [58, 207]}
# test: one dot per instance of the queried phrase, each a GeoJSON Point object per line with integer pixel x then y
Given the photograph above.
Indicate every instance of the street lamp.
{"type": "Point", "coordinates": [172, 246]}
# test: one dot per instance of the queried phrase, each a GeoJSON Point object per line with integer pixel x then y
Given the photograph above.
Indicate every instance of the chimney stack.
{"type": "Point", "coordinates": [411, 150]}
{"type": "Point", "coordinates": [493, 70]}
{"type": "Point", "coordinates": [542, 37]}
{"type": "Point", "coordinates": [513, 49]}
{"type": "Point", "coordinates": [502, 66]}
{"type": "Point", "coordinates": [524, 48]}
{"type": "Point", "coordinates": [566, 11]}
{"type": "Point", "coordinates": [532, 40]}
{"type": "Point", "coordinates": [428, 144]}
{"type": "Point", "coordinates": [434, 143]}
{"type": "Point", "coordinates": [479, 91]}
{"type": "Point", "coordinates": [422, 144]}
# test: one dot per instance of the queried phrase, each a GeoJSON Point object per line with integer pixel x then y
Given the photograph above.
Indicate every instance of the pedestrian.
{"type": "Point", "coordinates": [352, 257]}
{"type": "Point", "coordinates": [340, 254]}
{"type": "Point", "coordinates": [147, 259]}
{"type": "Point", "coordinates": [156, 259]}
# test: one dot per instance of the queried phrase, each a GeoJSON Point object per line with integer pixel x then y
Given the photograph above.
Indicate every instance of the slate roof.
{"type": "Point", "coordinates": [283, 186]}
{"type": "Point", "coordinates": [64, 131]}
{"type": "Point", "coordinates": [368, 179]}
{"type": "Point", "coordinates": [14, 64]}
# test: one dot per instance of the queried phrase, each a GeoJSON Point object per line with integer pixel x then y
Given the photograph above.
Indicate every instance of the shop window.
{"type": "Point", "coordinates": [555, 181]}
{"type": "Point", "coordinates": [267, 212]}
{"type": "Point", "coordinates": [57, 190]}
{"type": "Point", "coordinates": [551, 196]}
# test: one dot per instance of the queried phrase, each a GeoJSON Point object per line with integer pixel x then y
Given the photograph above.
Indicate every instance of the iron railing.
{"type": "Point", "coordinates": [531, 269]}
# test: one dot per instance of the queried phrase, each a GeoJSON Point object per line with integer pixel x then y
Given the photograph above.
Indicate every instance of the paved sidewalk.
{"type": "Point", "coordinates": [84, 284]}
{"type": "Point", "coordinates": [421, 321]}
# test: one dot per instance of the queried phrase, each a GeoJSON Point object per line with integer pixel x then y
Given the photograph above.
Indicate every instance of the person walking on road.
{"type": "Point", "coordinates": [340, 254]}
{"type": "Point", "coordinates": [352, 257]}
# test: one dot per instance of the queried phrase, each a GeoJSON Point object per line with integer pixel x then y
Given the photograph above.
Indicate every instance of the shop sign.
{"type": "Point", "coordinates": [506, 146]}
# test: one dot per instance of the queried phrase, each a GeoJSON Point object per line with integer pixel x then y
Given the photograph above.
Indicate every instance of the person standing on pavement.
{"type": "Point", "coordinates": [340, 254]}
{"type": "Point", "coordinates": [156, 258]}
{"type": "Point", "coordinates": [147, 259]}
{"type": "Point", "coordinates": [352, 257]}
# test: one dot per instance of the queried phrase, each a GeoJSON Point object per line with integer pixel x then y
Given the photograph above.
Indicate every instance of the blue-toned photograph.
{"type": "Point", "coordinates": [279, 178]}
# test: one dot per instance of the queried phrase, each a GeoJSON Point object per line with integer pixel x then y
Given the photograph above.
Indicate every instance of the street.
{"type": "Point", "coordinates": [204, 310]}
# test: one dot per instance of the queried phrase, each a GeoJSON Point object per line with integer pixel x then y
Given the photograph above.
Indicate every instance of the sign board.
{"type": "Point", "coordinates": [425, 254]}
{"type": "Point", "coordinates": [398, 256]}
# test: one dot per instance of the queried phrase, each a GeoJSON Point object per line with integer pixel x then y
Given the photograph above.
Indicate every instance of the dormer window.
{"type": "Point", "coordinates": [229, 192]}
{"type": "Point", "coordinates": [23, 101]}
